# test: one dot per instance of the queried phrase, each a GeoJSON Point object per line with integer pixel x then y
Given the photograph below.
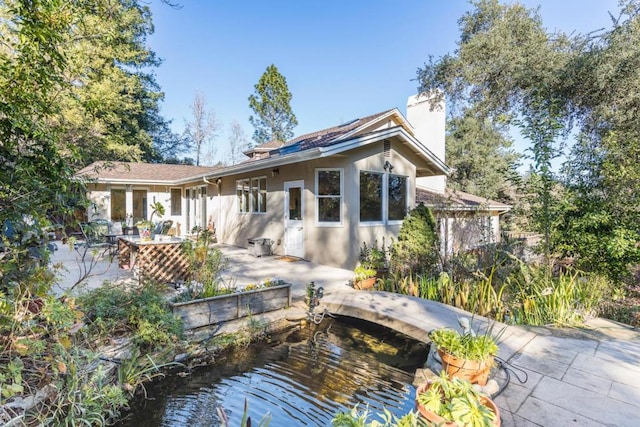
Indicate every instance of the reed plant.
{"type": "Point", "coordinates": [540, 297]}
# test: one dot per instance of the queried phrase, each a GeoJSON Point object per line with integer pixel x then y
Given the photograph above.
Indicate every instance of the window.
{"type": "Point", "coordinates": [371, 197]}
{"type": "Point", "coordinates": [252, 194]}
{"type": "Point", "coordinates": [118, 204]}
{"type": "Point", "coordinates": [176, 202]}
{"type": "Point", "coordinates": [242, 193]}
{"type": "Point", "coordinates": [259, 194]}
{"type": "Point", "coordinates": [397, 197]}
{"type": "Point", "coordinates": [329, 195]}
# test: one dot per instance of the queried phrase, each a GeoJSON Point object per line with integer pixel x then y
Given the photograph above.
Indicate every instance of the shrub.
{"type": "Point", "coordinates": [143, 311]}
{"type": "Point", "coordinates": [416, 250]}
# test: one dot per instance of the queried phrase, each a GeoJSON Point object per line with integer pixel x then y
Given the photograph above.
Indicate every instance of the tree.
{"type": "Point", "coordinates": [471, 140]}
{"type": "Point", "coordinates": [416, 250]}
{"type": "Point", "coordinates": [237, 142]}
{"type": "Point", "coordinates": [201, 131]}
{"type": "Point", "coordinates": [108, 100]}
{"type": "Point", "coordinates": [507, 65]}
{"type": "Point", "coordinates": [273, 120]}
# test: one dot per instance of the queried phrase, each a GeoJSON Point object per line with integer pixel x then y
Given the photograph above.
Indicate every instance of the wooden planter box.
{"type": "Point", "coordinates": [222, 308]}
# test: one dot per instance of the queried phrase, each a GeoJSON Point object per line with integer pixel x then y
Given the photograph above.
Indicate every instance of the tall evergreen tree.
{"type": "Point", "coordinates": [109, 99]}
{"type": "Point", "coordinates": [273, 120]}
{"type": "Point", "coordinates": [471, 140]}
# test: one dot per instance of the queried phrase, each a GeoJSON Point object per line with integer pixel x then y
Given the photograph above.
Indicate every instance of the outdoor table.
{"type": "Point", "coordinates": [160, 260]}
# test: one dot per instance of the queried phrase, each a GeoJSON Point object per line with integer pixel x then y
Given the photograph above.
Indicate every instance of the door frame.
{"type": "Point", "coordinates": [298, 223]}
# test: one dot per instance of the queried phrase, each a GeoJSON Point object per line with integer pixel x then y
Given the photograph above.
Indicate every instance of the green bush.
{"type": "Point", "coordinates": [142, 311]}
{"type": "Point", "coordinates": [416, 250]}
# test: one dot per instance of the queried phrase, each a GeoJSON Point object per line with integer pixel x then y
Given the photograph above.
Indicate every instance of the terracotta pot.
{"type": "Point", "coordinates": [365, 284]}
{"type": "Point", "coordinates": [437, 420]}
{"type": "Point", "coordinates": [474, 371]}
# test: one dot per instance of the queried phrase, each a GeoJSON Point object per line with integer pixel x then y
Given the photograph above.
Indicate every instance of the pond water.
{"type": "Point", "coordinates": [302, 379]}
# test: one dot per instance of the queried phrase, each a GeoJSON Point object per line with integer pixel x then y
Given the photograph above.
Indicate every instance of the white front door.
{"type": "Point", "coordinates": [293, 221]}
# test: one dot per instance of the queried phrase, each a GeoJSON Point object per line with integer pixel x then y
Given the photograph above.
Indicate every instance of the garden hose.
{"type": "Point", "coordinates": [508, 369]}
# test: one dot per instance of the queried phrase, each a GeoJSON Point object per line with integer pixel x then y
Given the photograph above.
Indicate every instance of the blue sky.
{"type": "Point", "coordinates": [342, 59]}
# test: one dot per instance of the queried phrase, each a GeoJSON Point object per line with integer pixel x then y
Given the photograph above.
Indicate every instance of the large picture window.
{"type": "Point", "coordinates": [397, 197]}
{"type": "Point", "coordinates": [329, 195]}
{"type": "Point", "coordinates": [371, 197]}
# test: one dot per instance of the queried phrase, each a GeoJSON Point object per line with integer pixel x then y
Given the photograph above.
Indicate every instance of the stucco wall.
{"type": "Point", "coordinates": [336, 245]}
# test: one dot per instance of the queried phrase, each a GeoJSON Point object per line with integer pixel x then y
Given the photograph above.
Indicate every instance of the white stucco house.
{"type": "Point", "coordinates": [318, 196]}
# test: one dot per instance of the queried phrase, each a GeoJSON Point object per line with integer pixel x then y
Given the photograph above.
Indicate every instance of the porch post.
{"type": "Point", "coordinates": [128, 203]}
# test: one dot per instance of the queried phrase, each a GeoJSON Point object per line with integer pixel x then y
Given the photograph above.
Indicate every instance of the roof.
{"type": "Point", "coordinates": [323, 143]}
{"type": "Point", "coordinates": [320, 138]}
{"type": "Point", "coordinates": [142, 172]}
{"type": "Point", "coordinates": [457, 200]}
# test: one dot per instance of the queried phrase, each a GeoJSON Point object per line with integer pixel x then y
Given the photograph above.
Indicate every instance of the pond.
{"type": "Point", "coordinates": [302, 378]}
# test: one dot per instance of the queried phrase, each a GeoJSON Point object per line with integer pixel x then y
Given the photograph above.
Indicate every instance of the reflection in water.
{"type": "Point", "coordinates": [302, 380]}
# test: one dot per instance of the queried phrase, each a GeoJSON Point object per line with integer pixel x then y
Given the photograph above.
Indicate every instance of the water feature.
{"type": "Point", "coordinates": [301, 379]}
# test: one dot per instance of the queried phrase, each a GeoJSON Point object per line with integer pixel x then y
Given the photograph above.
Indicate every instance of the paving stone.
{"type": "Point", "coordinates": [541, 365]}
{"type": "Point", "coordinates": [518, 421]}
{"type": "Point", "coordinates": [587, 380]}
{"type": "Point", "coordinates": [621, 372]}
{"type": "Point", "coordinates": [620, 351]}
{"type": "Point", "coordinates": [581, 402]}
{"type": "Point", "coordinates": [625, 393]}
{"type": "Point", "coordinates": [512, 398]}
{"type": "Point", "coordinates": [560, 349]}
{"type": "Point", "coordinates": [548, 415]}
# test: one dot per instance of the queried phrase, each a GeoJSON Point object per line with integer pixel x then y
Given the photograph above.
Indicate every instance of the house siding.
{"type": "Point", "coordinates": [337, 245]}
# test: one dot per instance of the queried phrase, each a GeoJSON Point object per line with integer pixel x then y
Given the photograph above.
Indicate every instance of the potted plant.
{"type": "Point", "coordinates": [145, 226]}
{"type": "Point", "coordinates": [465, 355]}
{"type": "Point", "coordinates": [364, 277]}
{"type": "Point", "coordinates": [455, 402]}
{"type": "Point", "coordinates": [374, 257]}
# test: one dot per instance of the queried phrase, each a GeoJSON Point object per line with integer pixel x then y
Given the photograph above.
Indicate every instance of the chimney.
{"type": "Point", "coordinates": [429, 128]}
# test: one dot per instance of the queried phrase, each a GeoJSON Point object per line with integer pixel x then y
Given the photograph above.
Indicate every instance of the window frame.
{"type": "Point", "coordinates": [382, 220]}
{"type": "Point", "coordinates": [406, 198]}
{"type": "Point", "coordinates": [179, 205]}
{"type": "Point", "coordinates": [243, 194]}
{"type": "Point", "coordinates": [255, 205]}
{"type": "Point", "coordinates": [319, 223]}
{"type": "Point", "coordinates": [245, 199]}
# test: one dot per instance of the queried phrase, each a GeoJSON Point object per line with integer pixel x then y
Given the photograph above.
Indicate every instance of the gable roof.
{"type": "Point", "coordinates": [104, 171]}
{"type": "Point", "coordinates": [323, 143]}
{"type": "Point", "coordinates": [456, 200]}
{"type": "Point", "coordinates": [335, 140]}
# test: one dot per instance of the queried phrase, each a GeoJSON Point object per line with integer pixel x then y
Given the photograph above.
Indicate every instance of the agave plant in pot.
{"type": "Point", "coordinates": [455, 402]}
{"type": "Point", "coordinates": [465, 355]}
{"type": "Point", "coordinates": [364, 277]}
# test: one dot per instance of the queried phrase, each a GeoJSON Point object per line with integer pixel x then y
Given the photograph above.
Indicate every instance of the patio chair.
{"type": "Point", "coordinates": [95, 233]}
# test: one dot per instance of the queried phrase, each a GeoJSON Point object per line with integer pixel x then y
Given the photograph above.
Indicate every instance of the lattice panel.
{"type": "Point", "coordinates": [124, 254]}
{"type": "Point", "coordinates": [164, 262]}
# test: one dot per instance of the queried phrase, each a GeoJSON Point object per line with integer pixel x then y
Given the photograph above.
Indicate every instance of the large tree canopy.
{"type": "Point", "coordinates": [274, 120]}
{"type": "Point", "coordinates": [508, 67]}
{"type": "Point", "coordinates": [471, 140]}
{"type": "Point", "coordinates": [109, 98]}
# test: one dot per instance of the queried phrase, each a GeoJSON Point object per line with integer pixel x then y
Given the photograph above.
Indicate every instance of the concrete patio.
{"type": "Point", "coordinates": [583, 377]}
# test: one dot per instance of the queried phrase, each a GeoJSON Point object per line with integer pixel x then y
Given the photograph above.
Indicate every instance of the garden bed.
{"type": "Point", "coordinates": [222, 308]}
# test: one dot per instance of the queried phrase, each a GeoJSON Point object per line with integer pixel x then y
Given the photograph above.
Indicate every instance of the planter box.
{"type": "Point", "coordinates": [222, 308]}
